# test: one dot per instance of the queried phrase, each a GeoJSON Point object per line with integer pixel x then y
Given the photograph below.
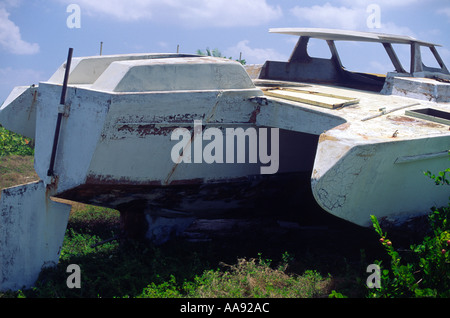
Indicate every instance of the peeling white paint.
{"type": "Point", "coordinates": [116, 130]}
{"type": "Point", "coordinates": [32, 229]}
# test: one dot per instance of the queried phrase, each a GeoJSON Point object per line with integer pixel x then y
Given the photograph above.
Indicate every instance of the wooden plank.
{"type": "Point", "coordinates": [312, 98]}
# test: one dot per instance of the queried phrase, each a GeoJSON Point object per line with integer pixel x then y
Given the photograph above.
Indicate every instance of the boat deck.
{"type": "Point", "coordinates": [368, 116]}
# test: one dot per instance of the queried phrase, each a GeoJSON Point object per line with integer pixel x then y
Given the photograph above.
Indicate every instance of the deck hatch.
{"type": "Point", "coordinates": [312, 98]}
{"type": "Point", "coordinates": [430, 114]}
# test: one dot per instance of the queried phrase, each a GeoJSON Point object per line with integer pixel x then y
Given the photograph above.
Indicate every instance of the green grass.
{"type": "Point", "coordinates": [15, 170]}
{"type": "Point", "coordinates": [16, 159]}
{"type": "Point", "coordinates": [130, 269]}
{"type": "Point", "coordinates": [177, 269]}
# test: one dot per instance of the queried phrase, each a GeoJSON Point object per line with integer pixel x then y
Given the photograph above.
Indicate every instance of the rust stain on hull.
{"type": "Point", "coordinates": [110, 180]}
{"type": "Point", "coordinates": [405, 119]}
{"type": "Point", "coordinates": [264, 192]}
{"type": "Point", "coordinates": [143, 130]}
{"type": "Point", "coordinates": [325, 137]}
{"type": "Point", "coordinates": [254, 114]}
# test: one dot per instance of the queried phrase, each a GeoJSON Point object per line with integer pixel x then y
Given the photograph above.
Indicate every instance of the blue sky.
{"type": "Point", "coordinates": [35, 36]}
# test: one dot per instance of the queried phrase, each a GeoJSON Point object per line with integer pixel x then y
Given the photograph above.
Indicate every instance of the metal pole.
{"type": "Point", "coordinates": [50, 171]}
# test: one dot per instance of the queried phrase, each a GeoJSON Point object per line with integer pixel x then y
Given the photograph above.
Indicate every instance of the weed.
{"type": "Point", "coordinates": [424, 271]}
{"type": "Point", "coordinates": [255, 278]}
{"type": "Point", "coordinates": [246, 279]}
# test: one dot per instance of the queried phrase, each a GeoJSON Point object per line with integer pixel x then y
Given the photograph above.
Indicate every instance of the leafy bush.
{"type": "Point", "coordinates": [254, 278]}
{"type": "Point", "coordinates": [14, 144]}
{"type": "Point", "coordinates": [217, 53]}
{"type": "Point", "coordinates": [424, 271]}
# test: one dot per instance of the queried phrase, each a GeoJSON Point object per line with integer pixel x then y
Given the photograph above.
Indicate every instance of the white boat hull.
{"type": "Point", "coordinates": [357, 152]}
{"type": "Point", "coordinates": [385, 179]}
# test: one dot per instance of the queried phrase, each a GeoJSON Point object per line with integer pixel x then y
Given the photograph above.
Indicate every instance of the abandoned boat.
{"type": "Point", "coordinates": [396, 126]}
{"type": "Point", "coordinates": [168, 138]}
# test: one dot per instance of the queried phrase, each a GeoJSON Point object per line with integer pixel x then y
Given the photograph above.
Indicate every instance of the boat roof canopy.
{"type": "Point", "coordinates": [348, 35]}
{"type": "Point", "coordinates": [300, 55]}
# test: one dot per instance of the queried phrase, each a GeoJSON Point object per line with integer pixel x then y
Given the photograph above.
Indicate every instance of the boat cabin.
{"type": "Point", "coordinates": [301, 67]}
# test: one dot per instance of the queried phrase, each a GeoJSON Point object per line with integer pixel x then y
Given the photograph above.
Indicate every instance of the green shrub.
{"type": "Point", "coordinates": [14, 144]}
{"type": "Point", "coordinates": [424, 270]}
{"type": "Point", "coordinates": [254, 278]}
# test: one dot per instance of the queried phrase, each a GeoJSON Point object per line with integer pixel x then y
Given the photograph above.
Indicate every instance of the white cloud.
{"type": "Point", "coordinates": [254, 55]}
{"type": "Point", "coordinates": [381, 3]}
{"type": "Point", "coordinates": [392, 28]}
{"type": "Point", "coordinates": [226, 13]}
{"type": "Point", "coordinates": [10, 3]}
{"type": "Point", "coordinates": [19, 77]}
{"type": "Point", "coordinates": [163, 44]}
{"type": "Point", "coordinates": [190, 13]}
{"type": "Point", "coordinates": [10, 37]}
{"type": "Point", "coordinates": [329, 16]}
{"type": "Point", "coordinates": [11, 77]}
{"type": "Point", "coordinates": [122, 10]}
{"type": "Point", "coordinates": [445, 11]}
{"type": "Point", "coordinates": [352, 17]}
